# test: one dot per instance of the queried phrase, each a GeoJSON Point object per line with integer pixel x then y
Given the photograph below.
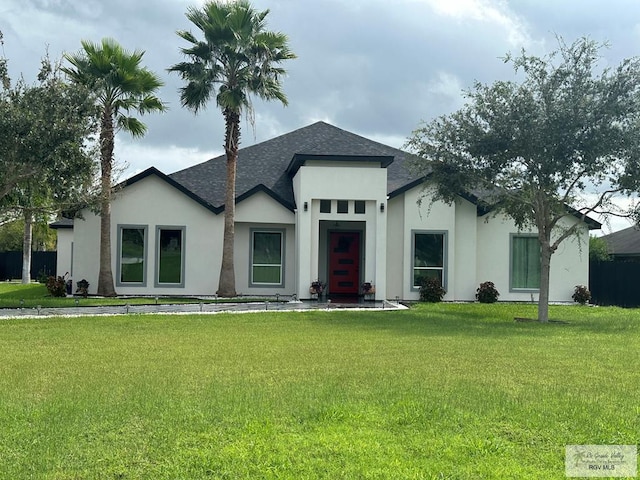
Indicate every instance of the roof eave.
{"type": "Point", "coordinates": [299, 159]}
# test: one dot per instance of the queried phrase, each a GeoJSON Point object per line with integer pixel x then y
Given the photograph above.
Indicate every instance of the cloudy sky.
{"type": "Point", "coordinates": [374, 67]}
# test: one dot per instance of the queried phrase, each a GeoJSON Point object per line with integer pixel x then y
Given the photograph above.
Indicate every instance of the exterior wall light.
{"type": "Point", "coordinates": [382, 208]}
{"type": "Point", "coordinates": [306, 206]}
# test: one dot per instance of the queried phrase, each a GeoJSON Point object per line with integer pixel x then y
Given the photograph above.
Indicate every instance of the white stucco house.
{"type": "Point", "coordinates": [318, 203]}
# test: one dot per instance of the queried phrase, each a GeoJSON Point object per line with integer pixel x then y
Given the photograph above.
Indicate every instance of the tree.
{"type": "Point", "coordinates": [241, 58]}
{"type": "Point", "coordinates": [598, 249]}
{"type": "Point", "coordinates": [45, 157]}
{"type": "Point", "coordinates": [562, 141]}
{"type": "Point", "coordinates": [12, 233]}
{"type": "Point", "coordinates": [120, 85]}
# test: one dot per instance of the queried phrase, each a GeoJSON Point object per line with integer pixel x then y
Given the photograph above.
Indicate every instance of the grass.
{"type": "Point", "coordinates": [436, 392]}
{"type": "Point", "coordinates": [17, 295]}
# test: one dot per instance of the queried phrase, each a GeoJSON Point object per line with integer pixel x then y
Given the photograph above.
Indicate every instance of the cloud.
{"type": "Point", "coordinates": [132, 158]}
{"type": "Point", "coordinates": [373, 67]}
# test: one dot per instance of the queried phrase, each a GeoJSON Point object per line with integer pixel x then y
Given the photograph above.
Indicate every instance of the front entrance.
{"type": "Point", "coordinates": [344, 263]}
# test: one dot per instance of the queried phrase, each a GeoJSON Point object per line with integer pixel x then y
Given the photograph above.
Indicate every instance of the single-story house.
{"type": "Point", "coordinates": [318, 203]}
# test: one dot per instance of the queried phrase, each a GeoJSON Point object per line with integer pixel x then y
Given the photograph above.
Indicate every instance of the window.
{"type": "Point", "coordinates": [325, 206]}
{"type": "Point", "coordinates": [267, 258]}
{"type": "Point", "coordinates": [132, 248]}
{"type": "Point", "coordinates": [360, 206]}
{"type": "Point", "coordinates": [525, 262]}
{"type": "Point", "coordinates": [170, 256]}
{"type": "Point", "coordinates": [343, 206]}
{"type": "Point", "coordinates": [429, 257]}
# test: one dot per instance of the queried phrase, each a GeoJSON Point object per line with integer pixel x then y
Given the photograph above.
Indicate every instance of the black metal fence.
{"type": "Point", "coordinates": [615, 283]}
{"type": "Point", "coordinates": [41, 263]}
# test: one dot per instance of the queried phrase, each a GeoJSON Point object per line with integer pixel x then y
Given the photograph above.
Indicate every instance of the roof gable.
{"type": "Point", "coordinates": [154, 171]}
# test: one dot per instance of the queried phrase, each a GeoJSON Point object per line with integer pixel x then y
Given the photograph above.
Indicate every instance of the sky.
{"type": "Point", "coordinates": [377, 68]}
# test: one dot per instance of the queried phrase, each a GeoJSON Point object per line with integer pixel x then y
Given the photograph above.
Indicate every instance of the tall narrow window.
{"type": "Point", "coordinates": [267, 258]}
{"type": "Point", "coordinates": [429, 257]}
{"type": "Point", "coordinates": [170, 256]}
{"type": "Point", "coordinates": [525, 262]}
{"type": "Point", "coordinates": [132, 254]}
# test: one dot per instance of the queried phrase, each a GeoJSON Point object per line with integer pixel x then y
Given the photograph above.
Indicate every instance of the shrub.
{"type": "Point", "coordinates": [43, 277]}
{"type": "Point", "coordinates": [57, 286]}
{"type": "Point", "coordinates": [431, 290]}
{"type": "Point", "coordinates": [581, 295]}
{"type": "Point", "coordinates": [487, 293]}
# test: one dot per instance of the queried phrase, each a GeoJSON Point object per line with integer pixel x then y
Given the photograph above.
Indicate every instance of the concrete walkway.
{"type": "Point", "coordinates": [197, 308]}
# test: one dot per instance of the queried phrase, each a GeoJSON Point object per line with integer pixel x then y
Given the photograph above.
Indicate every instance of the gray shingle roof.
{"type": "Point", "coordinates": [266, 164]}
{"type": "Point", "coordinates": [623, 242]}
{"type": "Point", "coordinates": [62, 223]}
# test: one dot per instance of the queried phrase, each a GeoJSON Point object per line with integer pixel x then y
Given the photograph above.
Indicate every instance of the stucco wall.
{"type": "Point", "coordinates": [396, 248]}
{"type": "Point", "coordinates": [569, 265]}
{"type": "Point", "coordinates": [465, 250]}
{"type": "Point", "coordinates": [478, 250]}
{"type": "Point", "coordinates": [452, 219]}
{"type": "Point", "coordinates": [262, 212]}
{"type": "Point", "coordinates": [152, 202]}
{"type": "Point", "coordinates": [86, 244]}
{"type": "Point", "coordinates": [64, 248]}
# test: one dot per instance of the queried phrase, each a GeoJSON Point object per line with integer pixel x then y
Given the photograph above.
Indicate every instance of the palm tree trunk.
{"type": "Point", "coordinates": [227, 283]}
{"type": "Point", "coordinates": [27, 240]}
{"type": "Point", "coordinates": [105, 276]}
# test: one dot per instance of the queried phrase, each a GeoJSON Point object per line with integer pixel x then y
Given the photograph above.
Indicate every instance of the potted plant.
{"type": "Point", "coordinates": [316, 288]}
{"type": "Point", "coordinates": [83, 288]}
{"type": "Point", "coordinates": [368, 288]}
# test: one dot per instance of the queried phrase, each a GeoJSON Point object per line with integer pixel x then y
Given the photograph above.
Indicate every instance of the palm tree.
{"type": "Point", "coordinates": [121, 85]}
{"type": "Point", "coordinates": [239, 57]}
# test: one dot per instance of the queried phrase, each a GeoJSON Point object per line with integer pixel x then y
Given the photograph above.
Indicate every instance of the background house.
{"type": "Point", "coordinates": [624, 245]}
{"type": "Point", "coordinates": [615, 282]}
{"type": "Point", "coordinates": [318, 203]}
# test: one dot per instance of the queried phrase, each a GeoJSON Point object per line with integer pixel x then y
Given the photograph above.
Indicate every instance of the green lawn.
{"type": "Point", "coordinates": [436, 392]}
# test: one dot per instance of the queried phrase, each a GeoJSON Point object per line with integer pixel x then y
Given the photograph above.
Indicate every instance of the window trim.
{"type": "Point", "coordinates": [156, 270]}
{"type": "Point", "coordinates": [445, 256]}
{"type": "Point", "coordinates": [283, 236]}
{"type": "Point", "coordinates": [119, 282]}
{"type": "Point", "coordinates": [511, 287]}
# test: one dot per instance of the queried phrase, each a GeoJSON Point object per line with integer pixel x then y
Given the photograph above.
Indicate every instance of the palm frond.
{"type": "Point", "coordinates": [132, 125]}
{"type": "Point", "coordinates": [237, 54]}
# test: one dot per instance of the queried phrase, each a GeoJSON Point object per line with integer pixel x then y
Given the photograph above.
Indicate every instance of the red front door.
{"type": "Point", "coordinates": [344, 263]}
